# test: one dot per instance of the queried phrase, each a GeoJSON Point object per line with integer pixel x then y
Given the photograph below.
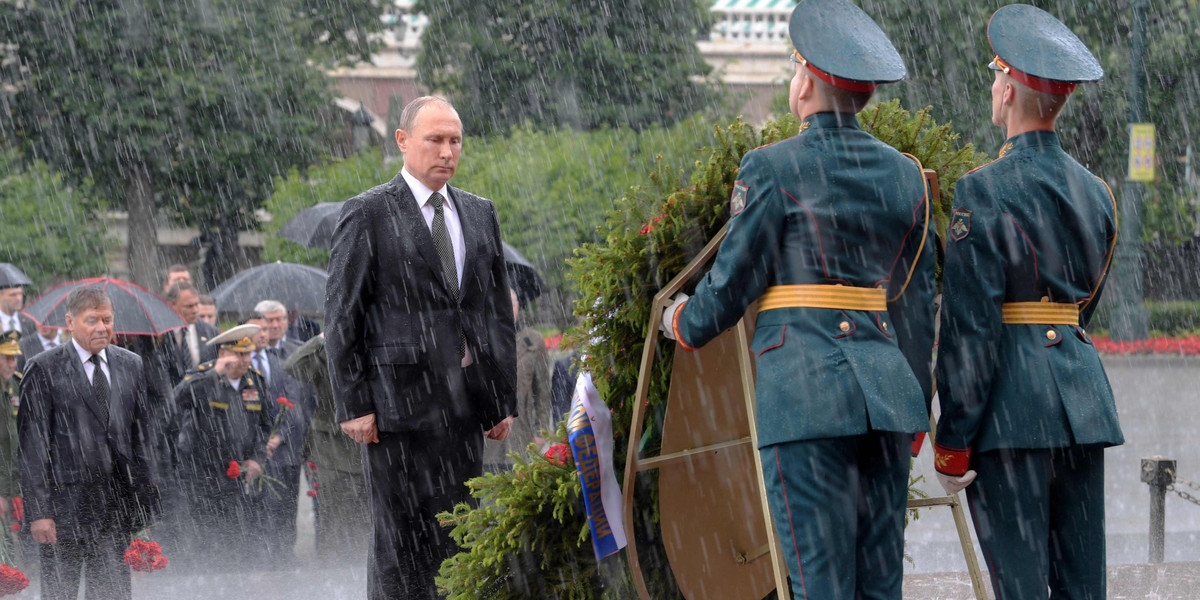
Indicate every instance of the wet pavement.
{"type": "Point", "coordinates": [1159, 404]}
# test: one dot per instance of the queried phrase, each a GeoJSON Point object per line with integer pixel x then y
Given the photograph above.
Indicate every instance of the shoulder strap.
{"type": "Point", "coordinates": [924, 229]}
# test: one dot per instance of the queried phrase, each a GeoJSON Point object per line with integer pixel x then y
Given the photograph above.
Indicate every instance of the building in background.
{"type": "Point", "coordinates": [747, 47]}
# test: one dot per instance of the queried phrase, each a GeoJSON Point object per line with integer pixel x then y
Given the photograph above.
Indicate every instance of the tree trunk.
{"type": "Point", "coordinates": [224, 257]}
{"type": "Point", "coordinates": [144, 257]}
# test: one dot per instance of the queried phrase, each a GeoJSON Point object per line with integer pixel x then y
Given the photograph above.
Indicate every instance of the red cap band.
{"type": "Point", "coordinates": [845, 84]}
{"type": "Point", "coordinates": [1042, 85]}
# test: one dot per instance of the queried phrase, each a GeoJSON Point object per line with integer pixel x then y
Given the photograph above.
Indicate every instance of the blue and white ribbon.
{"type": "Point", "coordinates": [589, 431]}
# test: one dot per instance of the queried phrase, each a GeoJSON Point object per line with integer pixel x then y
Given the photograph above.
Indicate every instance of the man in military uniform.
{"type": "Point", "coordinates": [223, 423]}
{"type": "Point", "coordinates": [341, 499]}
{"type": "Point", "coordinates": [830, 234]}
{"type": "Point", "coordinates": [10, 383]}
{"type": "Point", "coordinates": [1026, 406]}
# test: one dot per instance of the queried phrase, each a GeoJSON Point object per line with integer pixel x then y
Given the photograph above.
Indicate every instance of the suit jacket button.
{"type": "Point", "coordinates": [845, 326]}
{"type": "Point", "coordinates": [1051, 335]}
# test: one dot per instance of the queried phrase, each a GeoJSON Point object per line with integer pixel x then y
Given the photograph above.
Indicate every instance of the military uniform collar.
{"type": "Point", "coordinates": [831, 120]}
{"type": "Point", "coordinates": [1031, 139]}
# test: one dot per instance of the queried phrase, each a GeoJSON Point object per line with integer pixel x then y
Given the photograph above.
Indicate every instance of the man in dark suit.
{"type": "Point", "coordinates": [12, 300]}
{"type": "Point", "coordinates": [188, 347]}
{"type": "Point", "coordinates": [275, 317]}
{"type": "Point", "coordinates": [38, 340]}
{"type": "Point", "coordinates": [85, 470]}
{"type": "Point", "coordinates": [420, 337]}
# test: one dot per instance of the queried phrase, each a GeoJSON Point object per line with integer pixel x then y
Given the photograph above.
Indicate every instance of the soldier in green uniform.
{"type": "Point", "coordinates": [1026, 406]}
{"type": "Point", "coordinates": [10, 382]}
{"type": "Point", "coordinates": [830, 234]}
{"type": "Point", "coordinates": [222, 444]}
{"type": "Point", "coordinates": [343, 528]}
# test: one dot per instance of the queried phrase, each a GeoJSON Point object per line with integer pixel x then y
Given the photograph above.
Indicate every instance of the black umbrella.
{"type": "Point", "coordinates": [136, 310]}
{"type": "Point", "coordinates": [11, 276]}
{"type": "Point", "coordinates": [299, 287]}
{"type": "Point", "coordinates": [313, 227]}
{"type": "Point", "coordinates": [521, 275]}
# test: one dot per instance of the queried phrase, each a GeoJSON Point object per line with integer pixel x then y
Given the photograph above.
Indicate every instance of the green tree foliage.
{"type": "Point", "coordinates": [944, 43]}
{"type": "Point", "coordinates": [525, 536]}
{"type": "Point", "coordinates": [188, 107]}
{"type": "Point", "coordinates": [48, 228]}
{"type": "Point", "coordinates": [566, 62]}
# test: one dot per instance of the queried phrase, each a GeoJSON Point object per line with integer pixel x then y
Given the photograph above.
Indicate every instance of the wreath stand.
{"type": "Point", "coordinates": [715, 520]}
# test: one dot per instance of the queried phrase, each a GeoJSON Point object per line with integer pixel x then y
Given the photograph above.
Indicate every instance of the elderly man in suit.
{"type": "Point", "coordinates": [420, 338]}
{"type": "Point", "coordinates": [84, 461]}
{"type": "Point", "coordinates": [275, 316]}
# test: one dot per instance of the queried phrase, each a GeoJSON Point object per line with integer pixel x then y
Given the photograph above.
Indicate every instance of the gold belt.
{"type": "Point", "coordinates": [823, 296]}
{"type": "Point", "coordinates": [1040, 313]}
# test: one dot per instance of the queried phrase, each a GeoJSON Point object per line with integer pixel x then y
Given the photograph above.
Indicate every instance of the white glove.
{"type": "Point", "coordinates": [668, 319]}
{"type": "Point", "coordinates": [953, 484]}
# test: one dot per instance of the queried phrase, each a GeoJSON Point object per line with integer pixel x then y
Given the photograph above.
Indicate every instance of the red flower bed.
{"type": "Point", "coordinates": [145, 556]}
{"type": "Point", "coordinates": [1185, 346]}
{"type": "Point", "coordinates": [12, 580]}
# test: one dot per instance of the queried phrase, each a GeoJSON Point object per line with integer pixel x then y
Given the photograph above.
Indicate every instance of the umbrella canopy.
{"type": "Point", "coordinates": [11, 276]}
{"type": "Point", "coordinates": [313, 227]}
{"type": "Point", "coordinates": [299, 287]}
{"type": "Point", "coordinates": [136, 310]}
{"type": "Point", "coordinates": [521, 275]}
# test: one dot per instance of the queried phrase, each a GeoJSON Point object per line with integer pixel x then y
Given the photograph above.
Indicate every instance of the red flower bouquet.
{"type": "Point", "coordinates": [145, 556]}
{"type": "Point", "coordinates": [559, 454]}
{"type": "Point", "coordinates": [12, 580]}
{"type": "Point", "coordinates": [18, 509]}
{"type": "Point", "coordinates": [234, 470]}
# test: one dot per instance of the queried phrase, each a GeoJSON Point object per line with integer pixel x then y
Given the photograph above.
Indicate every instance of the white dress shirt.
{"type": "Point", "coordinates": [453, 226]}
{"type": "Point", "coordinates": [13, 321]}
{"type": "Point", "coordinates": [260, 360]}
{"type": "Point", "coordinates": [48, 343]}
{"type": "Point", "coordinates": [450, 212]}
{"type": "Point", "coordinates": [90, 368]}
{"type": "Point", "coordinates": [234, 383]}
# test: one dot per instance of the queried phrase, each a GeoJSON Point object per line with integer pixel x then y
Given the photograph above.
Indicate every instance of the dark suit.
{"type": "Point", "coordinates": [93, 478]}
{"type": "Point", "coordinates": [28, 330]}
{"type": "Point", "coordinates": [285, 462]}
{"type": "Point", "coordinates": [31, 345]}
{"type": "Point", "coordinates": [181, 358]}
{"type": "Point", "coordinates": [285, 349]}
{"type": "Point", "coordinates": [392, 331]}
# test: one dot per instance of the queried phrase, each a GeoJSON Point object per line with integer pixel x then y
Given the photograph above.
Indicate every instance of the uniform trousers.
{"type": "Point", "coordinates": [838, 506]}
{"type": "Point", "coordinates": [411, 477]}
{"type": "Point", "coordinates": [342, 532]}
{"type": "Point", "coordinates": [280, 507]}
{"type": "Point", "coordinates": [1039, 515]}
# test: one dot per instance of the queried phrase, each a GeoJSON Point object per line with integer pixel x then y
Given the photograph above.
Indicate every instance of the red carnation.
{"type": "Point", "coordinates": [12, 580]}
{"type": "Point", "coordinates": [15, 526]}
{"type": "Point", "coordinates": [312, 493]}
{"type": "Point", "coordinates": [145, 556]}
{"type": "Point", "coordinates": [312, 465]}
{"type": "Point", "coordinates": [234, 470]}
{"type": "Point", "coordinates": [18, 508]}
{"type": "Point", "coordinates": [285, 403]}
{"type": "Point", "coordinates": [559, 454]}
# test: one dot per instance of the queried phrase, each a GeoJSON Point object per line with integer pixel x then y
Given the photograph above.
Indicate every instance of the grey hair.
{"type": "Point", "coordinates": [85, 298]}
{"type": "Point", "coordinates": [269, 306]}
{"type": "Point", "coordinates": [408, 118]}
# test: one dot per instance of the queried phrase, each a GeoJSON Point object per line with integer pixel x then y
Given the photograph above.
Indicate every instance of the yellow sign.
{"type": "Point", "coordinates": [1141, 152]}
